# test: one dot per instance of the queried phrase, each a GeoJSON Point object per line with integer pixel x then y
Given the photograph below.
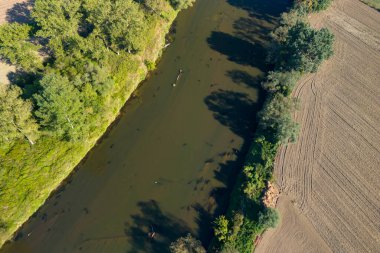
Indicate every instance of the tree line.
{"type": "Point", "coordinates": [297, 49]}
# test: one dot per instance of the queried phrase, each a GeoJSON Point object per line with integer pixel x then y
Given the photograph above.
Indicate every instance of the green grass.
{"type": "Point", "coordinates": [29, 174]}
{"type": "Point", "coordinates": [373, 3]}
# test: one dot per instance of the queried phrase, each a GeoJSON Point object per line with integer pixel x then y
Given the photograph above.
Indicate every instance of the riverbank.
{"type": "Point", "coordinates": [297, 49]}
{"type": "Point", "coordinates": [30, 173]}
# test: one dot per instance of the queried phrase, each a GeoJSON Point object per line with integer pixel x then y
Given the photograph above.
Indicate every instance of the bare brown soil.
{"type": "Point", "coordinates": [294, 233]}
{"type": "Point", "coordinates": [333, 172]}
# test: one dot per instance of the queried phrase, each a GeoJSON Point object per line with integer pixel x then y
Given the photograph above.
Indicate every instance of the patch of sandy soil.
{"type": "Point", "coordinates": [333, 172]}
{"type": "Point", "coordinates": [4, 70]}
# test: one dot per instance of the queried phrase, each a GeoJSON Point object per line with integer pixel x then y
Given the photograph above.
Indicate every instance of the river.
{"type": "Point", "coordinates": [168, 162]}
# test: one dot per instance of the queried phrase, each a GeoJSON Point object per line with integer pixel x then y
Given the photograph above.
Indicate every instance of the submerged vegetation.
{"type": "Point", "coordinates": [297, 49]}
{"type": "Point", "coordinates": [77, 63]}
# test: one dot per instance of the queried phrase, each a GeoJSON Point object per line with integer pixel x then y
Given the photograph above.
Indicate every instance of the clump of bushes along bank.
{"type": "Point", "coordinates": [77, 63]}
{"type": "Point", "coordinates": [297, 49]}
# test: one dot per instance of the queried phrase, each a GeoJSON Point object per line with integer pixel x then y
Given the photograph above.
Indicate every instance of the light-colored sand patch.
{"type": "Point", "coordinates": [4, 71]}
{"type": "Point", "coordinates": [333, 171]}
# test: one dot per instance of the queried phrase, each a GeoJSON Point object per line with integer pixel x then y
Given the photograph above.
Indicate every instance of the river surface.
{"type": "Point", "coordinates": [168, 162]}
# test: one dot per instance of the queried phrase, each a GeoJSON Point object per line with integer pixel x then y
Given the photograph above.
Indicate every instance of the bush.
{"type": "Point", "coordinates": [315, 5]}
{"type": "Point", "coordinates": [276, 119]}
{"type": "Point", "coordinates": [279, 81]}
{"type": "Point", "coordinates": [221, 229]}
{"type": "Point", "coordinates": [187, 244]}
{"type": "Point", "coordinates": [268, 219]}
{"type": "Point", "coordinates": [304, 49]}
{"type": "Point", "coordinates": [181, 4]}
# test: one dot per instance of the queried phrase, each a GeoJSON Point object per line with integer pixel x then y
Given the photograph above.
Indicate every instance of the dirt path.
{"type": "Point", "coordinates": [332, 172]}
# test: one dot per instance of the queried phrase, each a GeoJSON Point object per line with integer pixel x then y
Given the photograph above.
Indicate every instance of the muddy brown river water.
{"type": "Point", "coordinates": [169, 160]}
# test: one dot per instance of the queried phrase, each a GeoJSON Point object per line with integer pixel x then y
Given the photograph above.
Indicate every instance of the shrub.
{"type": "Point", "coordinates": [276, 119]}
{"type": "Point", "coordinates": [221, 228]}
{"type": "Point", "coordinates": [187, 244]}
{"type": "Point", "coordinates": [304, 48]}
{"type": "Point", "coordinates": [268, 219]}
{"type": "Point", "coordinates": [181, 4]}
{"type": "Point", "coordinates": [315, 5]}
{"type": "Point", "coordinates": [279, 81]}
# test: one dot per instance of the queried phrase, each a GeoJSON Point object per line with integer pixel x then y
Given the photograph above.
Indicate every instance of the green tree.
{"type": "Point", "coordinates": [60, 109]}
{"type": "Point", "coordinates": [57, 18]}
{"type": "Point", "coordinates": [187, 244]}
{"type": "Point", "coordinates": [281, 81]}
{"type": "Point", "coordinates": [315, 5]}
{"type": "Point", "coordinates": [16, 118]}
{"type": "Point", "coordinates": [269, 218]}
{"type": "Point", "coordinates": [304, 49]}
{"type": "Point", "coordinates": [159, 7]}
{"type": "Point", "coordinates": [221, 228]}
{"type": "Point", "coordinates": [287, 21]}
{"type": "Point", "coordinates": [120, 23]}
{"type": "Point", "coordinates": [181, 4]}
{"type": "Point", "coordinates": [276, 120]}
{"type": "Point", "coordinates": [16, 47]}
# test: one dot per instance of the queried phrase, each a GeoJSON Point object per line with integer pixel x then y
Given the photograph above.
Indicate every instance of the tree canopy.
{"type": "Point", "coordinates": [15, 46]}
{"type": "Point", "coordinates": [60, 109]}
{"type": "Point", "coordinates": [187, 244]}
{"type": "Point", "coordinates": [16, 117]}
{"type": "Point", "coordinates": [276, 119]}
{"type": "Point", "coordinates": [304, 48]}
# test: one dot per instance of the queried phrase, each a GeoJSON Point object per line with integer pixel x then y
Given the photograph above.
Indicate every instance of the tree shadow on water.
{"type": "Point", "coordinates": [265, 10]}
{"type": "Point", "coordinates": [237, 50]}
{"type": "Point", "coordinates": [219, 198]}
{"type": "Point", "coordinates": [21, 13]}
{"type": "Point", "coordinates": [167, 228]}
{"type": "Point", "coordinates": [235, 110]}
{"type": "Point", "coordinates": [242, 77]}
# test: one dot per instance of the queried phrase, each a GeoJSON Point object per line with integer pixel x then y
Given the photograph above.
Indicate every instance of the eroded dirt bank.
{"type": "Point", "coordinates": [332, 172]}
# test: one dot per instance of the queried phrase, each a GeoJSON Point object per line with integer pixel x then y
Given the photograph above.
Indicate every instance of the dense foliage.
{"type": "Point", "coordinates": [315, 5]}
{"type": "Point", "coordinates": [303, 49]}
{"type": "Point", "coordinates": [77, 63]}
{"type": "Point", "coordinates": [297, 49]}
{"type": "Point", "coordinates": [187, 244]}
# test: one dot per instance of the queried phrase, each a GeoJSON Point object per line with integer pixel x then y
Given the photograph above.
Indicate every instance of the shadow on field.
{"type": "Point", "coordinates": [167, 228]}
{"type": "Point", "coordinates": [20, 13]}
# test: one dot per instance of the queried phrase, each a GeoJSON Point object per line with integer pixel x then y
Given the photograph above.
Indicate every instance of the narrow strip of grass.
{"type": "Point", "coordinates": [373, 3]}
